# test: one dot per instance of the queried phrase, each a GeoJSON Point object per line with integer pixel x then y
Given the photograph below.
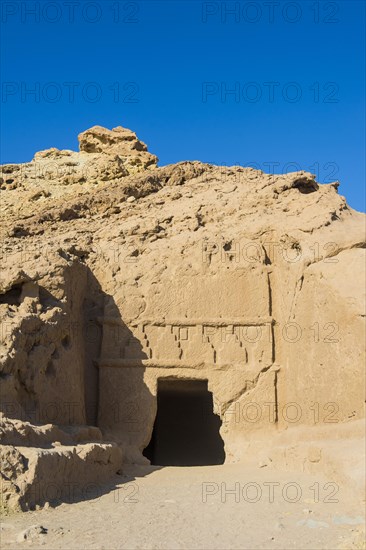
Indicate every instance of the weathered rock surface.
{"type": "Point", "coordinates": [33, 476]}
{"type": "Point", "coordinates": [117, 273]}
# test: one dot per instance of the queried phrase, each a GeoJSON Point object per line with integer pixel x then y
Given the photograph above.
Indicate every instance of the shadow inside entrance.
{"type": "Point", "coordinates": [186, 430]}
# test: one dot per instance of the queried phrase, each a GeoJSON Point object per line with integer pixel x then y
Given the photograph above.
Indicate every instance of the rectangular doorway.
{"type": "Point", "coordinates": [186, 430]}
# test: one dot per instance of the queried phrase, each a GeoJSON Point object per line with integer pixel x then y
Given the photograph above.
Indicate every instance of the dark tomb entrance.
{"type": "Point", "coordinates": [186, 430]}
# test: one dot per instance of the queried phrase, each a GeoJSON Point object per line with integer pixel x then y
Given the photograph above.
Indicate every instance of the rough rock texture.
{"type": "Point", "coordinates": [117, 273]}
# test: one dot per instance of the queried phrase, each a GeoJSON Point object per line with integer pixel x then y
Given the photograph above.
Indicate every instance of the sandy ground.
{"type": "Point", "coordinates": [223, 507]}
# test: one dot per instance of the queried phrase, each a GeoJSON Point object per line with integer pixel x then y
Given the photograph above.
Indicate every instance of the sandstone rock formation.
{"type": "Point", "coordinates": [117, 273]}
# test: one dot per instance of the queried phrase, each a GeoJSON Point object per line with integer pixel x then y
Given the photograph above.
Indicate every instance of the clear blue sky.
{"type": "Point", "coordinates": [164, 69]}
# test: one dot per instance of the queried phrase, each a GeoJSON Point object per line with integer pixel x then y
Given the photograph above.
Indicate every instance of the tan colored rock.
{"type": "Point", "coordinates": [125, 273]}
{"type": "Point", "coordinates": [53, 475]}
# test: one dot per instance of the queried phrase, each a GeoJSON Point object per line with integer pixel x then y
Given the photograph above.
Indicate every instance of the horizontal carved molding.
{"type": "Point", "coordinates": [191, 322]}
{"type": "Point", "coordinates": [150, 363]}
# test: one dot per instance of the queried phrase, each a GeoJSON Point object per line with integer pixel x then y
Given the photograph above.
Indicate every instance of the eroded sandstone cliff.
{"type": "Point", "coordinates": [117, 273]}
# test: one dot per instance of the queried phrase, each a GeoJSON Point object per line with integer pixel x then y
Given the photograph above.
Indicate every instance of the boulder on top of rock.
{"type": "Point", "coordinates": [120, 141]}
